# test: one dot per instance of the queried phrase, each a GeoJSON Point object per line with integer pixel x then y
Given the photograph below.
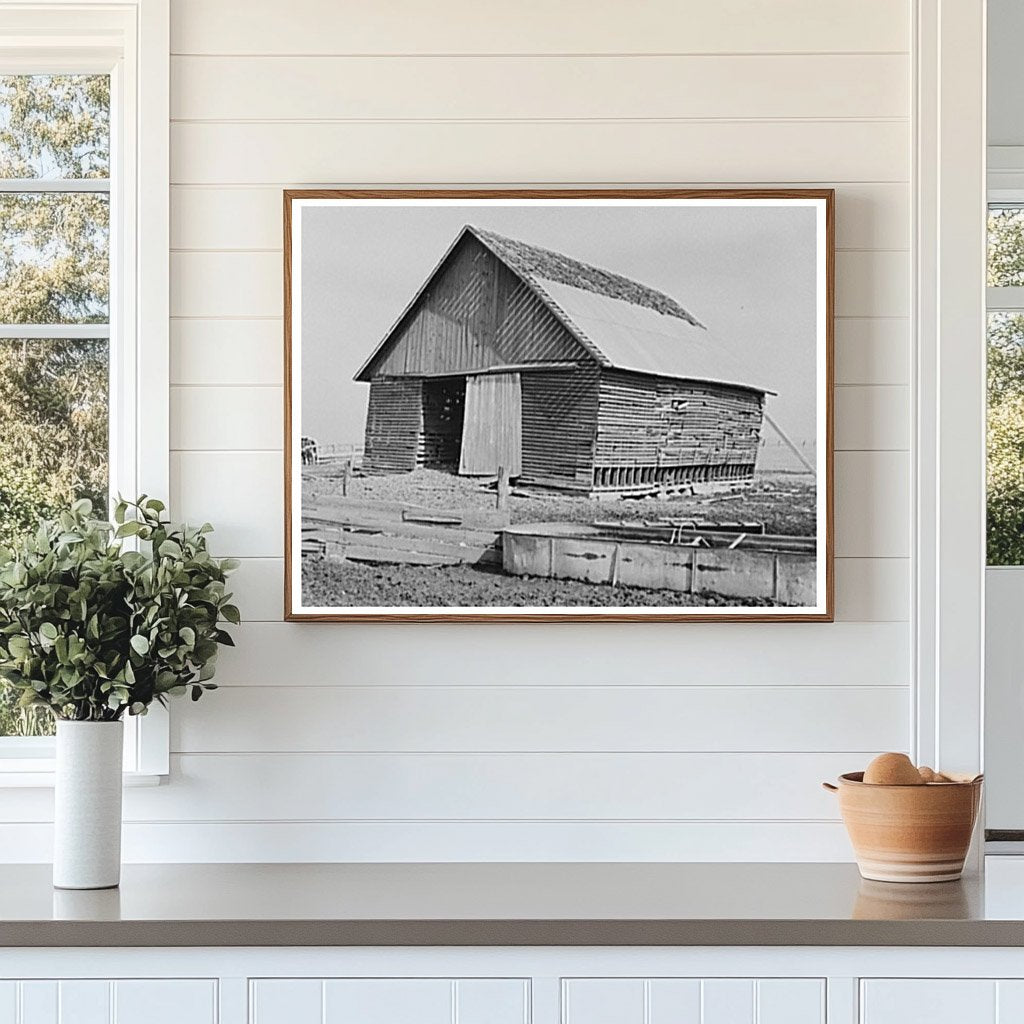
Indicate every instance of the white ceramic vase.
{"type": "Point", "coordinates": [87, 806]}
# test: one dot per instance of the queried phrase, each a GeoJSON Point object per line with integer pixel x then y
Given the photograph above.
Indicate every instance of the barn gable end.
{"type": "Point", "coordinates": [473, 315]}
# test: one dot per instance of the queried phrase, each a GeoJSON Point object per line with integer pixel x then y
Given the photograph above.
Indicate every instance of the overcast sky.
{"type": "Point", "coordinates": [747, 273]}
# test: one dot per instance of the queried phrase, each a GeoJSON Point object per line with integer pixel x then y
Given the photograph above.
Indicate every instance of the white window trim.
{"type": "Point", "coordinates": [949, 445]}
{"type": "Point", "coordinates": [131, 41]}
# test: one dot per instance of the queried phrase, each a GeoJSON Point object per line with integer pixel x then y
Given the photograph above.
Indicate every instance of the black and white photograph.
{"type": "Point", "coordinates": [577, 405]}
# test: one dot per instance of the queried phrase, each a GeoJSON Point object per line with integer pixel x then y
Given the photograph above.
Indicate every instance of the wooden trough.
{"type": "Point", "coordinates": [756, 566]}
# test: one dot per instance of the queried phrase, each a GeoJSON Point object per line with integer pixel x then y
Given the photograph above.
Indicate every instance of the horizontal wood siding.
{"type": "Point", "coordinates": [655, 421]}
{"type": "Point", "coordinates": [393, 420]}
{"type": "Point", "coordinates": [393, 746]}
{"type": "Point", "coordinates": [559, 423]}
{"type": "Point", "coordinates": [476, 314]}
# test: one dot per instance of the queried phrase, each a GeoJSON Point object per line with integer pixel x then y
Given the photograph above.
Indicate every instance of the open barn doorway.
{"type": "Point", "coordinates": [492, 432]}
{"type": "Point", "coordinates": [444, 403]}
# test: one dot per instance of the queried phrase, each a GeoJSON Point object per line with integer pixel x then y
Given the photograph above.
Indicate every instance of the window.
{"type": "Point", "coordinates": [1005, 477]}
{"type": "Point", "coordinates": [84, 125]}
{"type": "Point", "coordinates": [54, 309]}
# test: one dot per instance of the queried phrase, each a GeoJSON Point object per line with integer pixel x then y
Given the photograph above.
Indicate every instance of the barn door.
{"type": "Point", "coordinates": [492, 431]}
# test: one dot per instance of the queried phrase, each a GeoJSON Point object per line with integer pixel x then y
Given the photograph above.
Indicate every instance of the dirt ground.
{"type": "Point", "coordinates": [352, 584]}
{"type": "Point", "coordinates": [784, 502]}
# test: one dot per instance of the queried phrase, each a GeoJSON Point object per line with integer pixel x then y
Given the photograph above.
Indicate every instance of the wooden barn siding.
{"type": "Point", "coordinates": [559, 424]}
{"type": "Point", "coordinates": [476, 315]}
{"type": "Point", "coordinates": [393, 419]}
{"type": "Point", "coordinates": [640, 424]}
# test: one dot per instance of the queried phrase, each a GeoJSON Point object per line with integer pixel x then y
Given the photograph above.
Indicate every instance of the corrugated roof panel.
{"type": "Point", "coordinates": [639, 338]}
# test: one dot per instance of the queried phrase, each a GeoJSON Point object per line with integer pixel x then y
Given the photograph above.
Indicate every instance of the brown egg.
{"type": "Point", "coordinates": [892, 770]}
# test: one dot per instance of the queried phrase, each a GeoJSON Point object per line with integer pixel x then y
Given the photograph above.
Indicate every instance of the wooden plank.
{"type": "Point", "coordinates": [420, 786]}
{"type": "Point", "coordinates": [396, 555]}
{"type": "Point", "coordinates": [236, 418]}
{"type": "Point", "coordinates": [226, 352]}
{"type": "Point", "coordinates": [535, 26]}
{"type": "Point", "coordinates": [534, 87]}
{"type": "Point", "coordinates": [736, 152]}
{"type": "Point", "coordinates": [629, 718]}
{"type": "Point", "coordinates": [869, 215]}
{"type": "Point", "coordinates": [365, 525]}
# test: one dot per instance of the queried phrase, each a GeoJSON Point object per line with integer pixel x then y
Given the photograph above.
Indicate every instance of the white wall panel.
{"type": "Point", "coordinates": [871, 350]}
{"type": "Point", "coordinates": [440, 742]}
{"type": "Point", "coordinates": [212, 418]}
{"type": "Point", "coordinates": [872, 418]}
{"type": "Point", "coordinates": [537, 88]}
{"type": "Point", "coordinates": [872, 499]}
{"type": "Point", "coordinates": [578, 655]}
{"type": "Point", "coordinates": [873, 283]}
{"type": "Point", "coordinates": [241, 493]}
{"type": "Point", "coordinates": [227, 352]}
{"type": "Point", "coordinates": [872, 589]}
{"type": "Point", "coordinates": [488, 718]}
{"type": "Point", "coordinates": [159, 842]}
{"type": "Point", "coordinates": [868, 215]}
{"type": "Point", "coordinates": [464, 26]}
{"type": "Point", "coordinates": [539, 151]}
{"type": "Point", "coordinates": [506, 786]}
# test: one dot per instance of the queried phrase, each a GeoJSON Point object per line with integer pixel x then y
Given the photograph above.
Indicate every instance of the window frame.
{"type": "Point", "coordinates": [130, 41]}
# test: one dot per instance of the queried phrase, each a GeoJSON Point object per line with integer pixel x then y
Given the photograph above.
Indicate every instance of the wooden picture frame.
{"type": "Point", "coordinates": [427, 377]}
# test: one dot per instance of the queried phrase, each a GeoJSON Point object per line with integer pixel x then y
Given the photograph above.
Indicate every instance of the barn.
{"type": "Point", "coordinates": [564, 374]}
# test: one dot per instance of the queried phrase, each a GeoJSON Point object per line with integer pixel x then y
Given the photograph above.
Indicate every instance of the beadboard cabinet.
{"type": "Point", "coordinates": [106, 1001]}
{"type": "Point", "coordinates": [512, 985]}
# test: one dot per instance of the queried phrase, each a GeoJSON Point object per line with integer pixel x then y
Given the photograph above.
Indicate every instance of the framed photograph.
{"type": "Point", "coordinates": [558, 405]}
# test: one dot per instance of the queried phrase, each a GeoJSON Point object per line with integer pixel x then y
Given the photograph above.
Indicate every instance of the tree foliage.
{"type": "Point", "coordinates": [1005, 477]}
{"type": "Point", "coordinates": [53, 270]}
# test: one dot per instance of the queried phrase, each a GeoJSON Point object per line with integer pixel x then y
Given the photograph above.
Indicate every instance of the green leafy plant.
{"type": "Point", "coordinates": [91, 630]}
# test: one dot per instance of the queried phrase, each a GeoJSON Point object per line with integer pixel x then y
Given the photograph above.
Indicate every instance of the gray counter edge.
{"type": "Point", "coordinates": [510, 933]}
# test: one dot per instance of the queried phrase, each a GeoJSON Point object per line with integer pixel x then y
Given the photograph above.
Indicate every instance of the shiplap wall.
{"type": "Point", "coordinates": [688, 741]}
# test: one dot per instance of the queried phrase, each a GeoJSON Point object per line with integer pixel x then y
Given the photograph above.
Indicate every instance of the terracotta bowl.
{"type": "Point", "coordinates": [909, 833]}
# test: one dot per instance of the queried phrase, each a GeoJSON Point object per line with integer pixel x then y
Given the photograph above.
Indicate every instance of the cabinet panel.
{"type": "Point", "coordinates": [286, 1001]}
{"type": "Point", "coordinates": [603, 1001]}
{"type": "Point", "coordinates": [38, 1002]}
{"type": "Point", "coordinates": [492, 1002]}
{"type": "Point", "coordinates": [165, 1002]}
{"type": "Point", "coordinates": [929, 1001]}
{"type": "Point", "coordinates": [693, 1001]}
{"type": "Point", "coordinates": [8, 1002]}
{"type": "Point", "coordinates": [674, 1000]}
{"type": "Point", "coordinates": [388, 1001]}
{"type": "Point", "coordinates": [727, 1001]}
{"type": "Point", "coordinates": [101, 1001]}
{"type": "Point", "coordinates": [84, 1002]}
{"type": "Point", "coordinates": [790, 1001]}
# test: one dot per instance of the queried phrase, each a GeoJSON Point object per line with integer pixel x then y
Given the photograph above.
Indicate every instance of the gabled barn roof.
{"type": "Point", "coordinates": [620, 323]}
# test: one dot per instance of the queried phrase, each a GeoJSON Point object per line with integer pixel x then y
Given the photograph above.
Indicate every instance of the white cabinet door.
{"type": "Point", "coordinates": [693, 1001]}
{"type": "Point", "coordinates": [932, 1001]}
{"type": "Point", "coordinates": [388, 1001]}
{"type": "Point", "coordinates": [143, 1001]}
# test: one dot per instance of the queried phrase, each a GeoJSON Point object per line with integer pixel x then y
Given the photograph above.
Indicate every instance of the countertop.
{"type": "Point", "coordinates": [562, 904]}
